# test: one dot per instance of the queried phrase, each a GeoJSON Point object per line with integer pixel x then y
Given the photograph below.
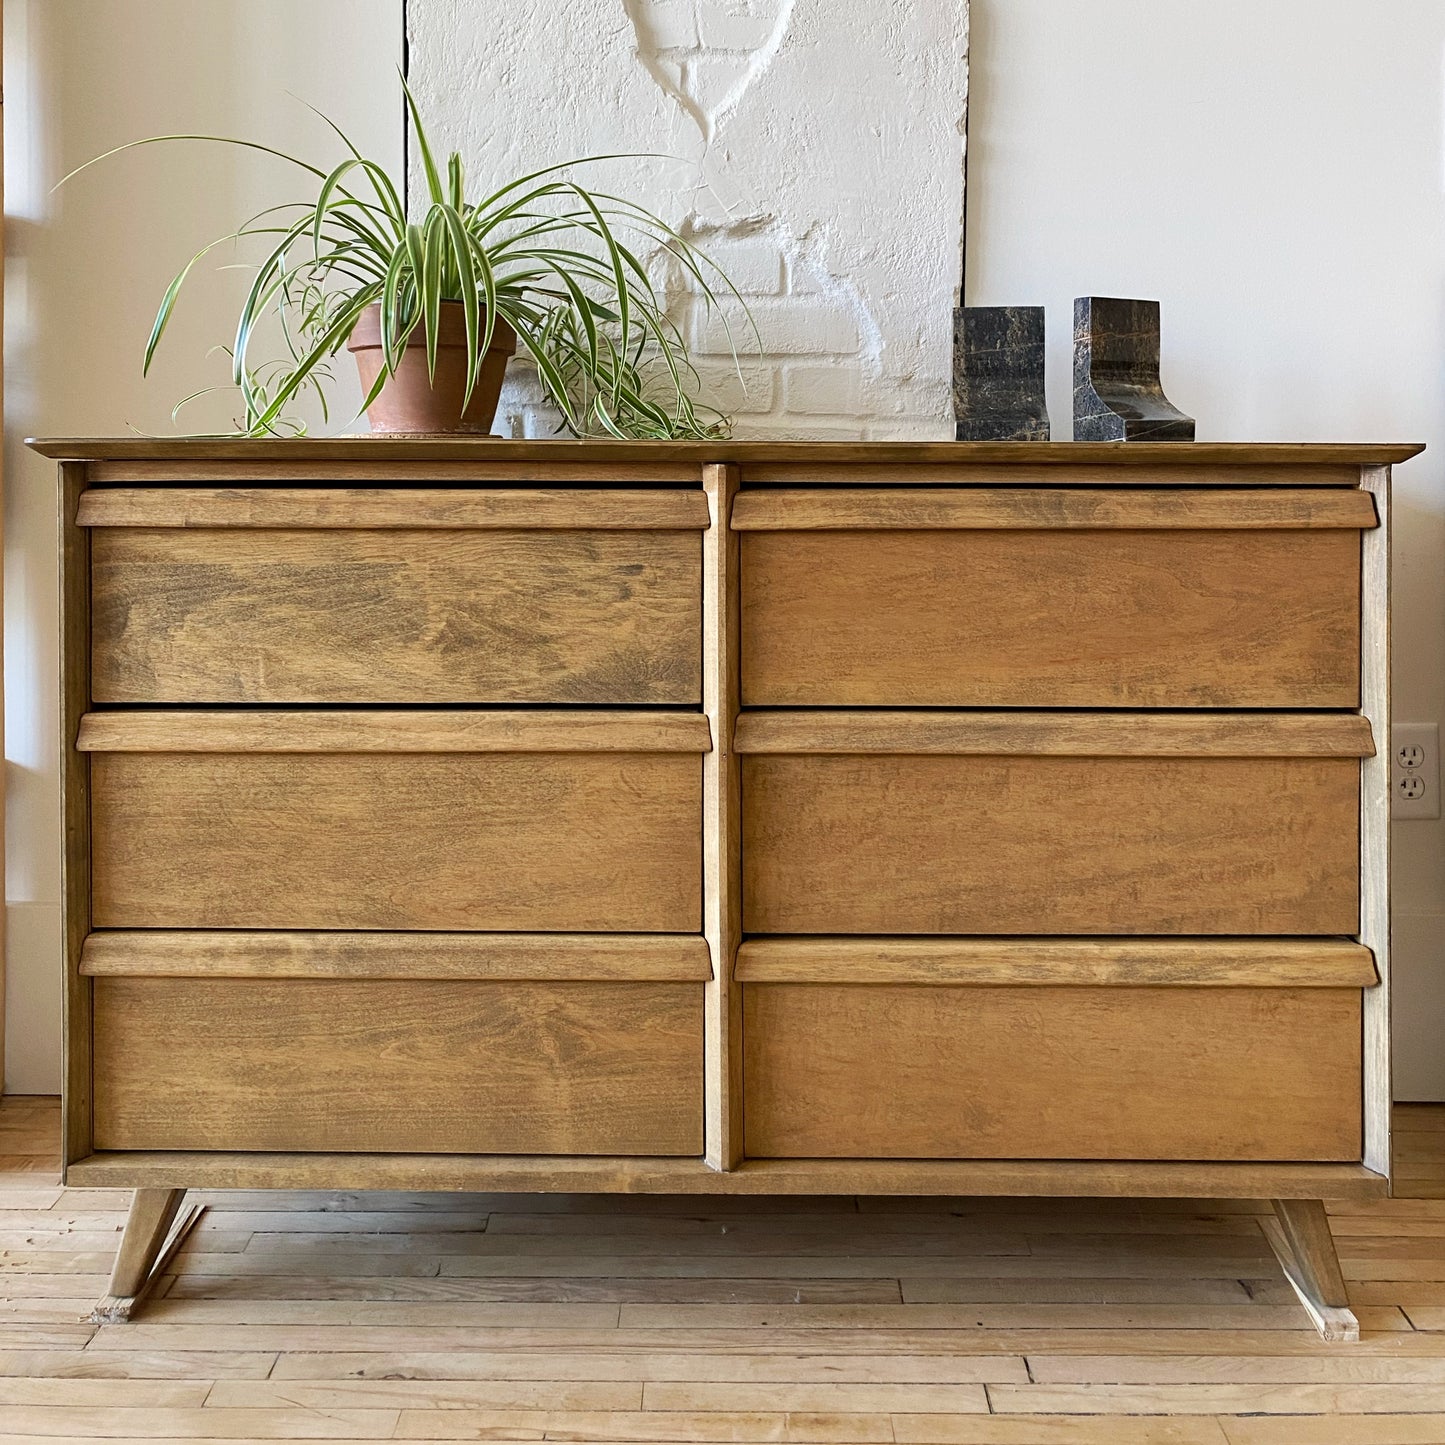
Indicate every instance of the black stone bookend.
{"type": "Point", "coordinates": [998, 374]}
{"type": "Point", "coordinates": [1117, 394]}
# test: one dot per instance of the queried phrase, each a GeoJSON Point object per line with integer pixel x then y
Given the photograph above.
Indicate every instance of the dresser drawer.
{"type": "Point", "coordinates": [940, 1049]}
{"type": "Point", "coordinates": [470, 820]}
{"type": "Point", "coordinates": [953, 597]}
{"type": "Point", "coordinates": [1051, 823]}
{"type": "Point", "coordinates": [438, 1043]}
{"type": "Point", "coordinates": [412, 596]}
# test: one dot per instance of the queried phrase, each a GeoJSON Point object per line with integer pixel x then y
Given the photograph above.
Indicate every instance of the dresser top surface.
{"type": "Point", "coordinates": [490, 449]}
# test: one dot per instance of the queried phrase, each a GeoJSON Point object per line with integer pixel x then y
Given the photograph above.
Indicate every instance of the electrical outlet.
{"type": "Point", "coordinates": [1415, 770]}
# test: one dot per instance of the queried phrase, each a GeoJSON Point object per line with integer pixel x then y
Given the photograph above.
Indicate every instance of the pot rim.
{"type": "Point", "coordinates": [452, 332]}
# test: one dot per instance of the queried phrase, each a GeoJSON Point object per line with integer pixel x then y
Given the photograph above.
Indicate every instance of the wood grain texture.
{"type": "Point", "coordinates": [1076, 962]}
{"type": "Point", "coordinates": [481, 730]}
{"type": "Point", "coordinates": [571, 842]}
{"type": "Point", "coordinates": [595, 957]}
{"type": "Point", "coordinates": [893, 1071]}
{"type": "Point", "coordinates": [337, 616]}
{"type": "Point", "coordinates": [1300, 1236]}
{"type": "Point", "coordinates": [1375, 805]}
{"type": "Point", "coordinates": [1062, 1178]}
{"type": "Point", "coordinates": [1226, 831]}
{"type": "Point", "coordinates": [1056, 734]}
{"type": "Point", "coordinates": [376, 1066]}
{"type": "Point", "coordinates": [152, 1212]}
{"type": "Point", "coordinates": [990, 845]}
{"type": "Point", "coordinates": [722, 823]}
{"type": "Point", "coordinates": [405, 509]}
{"type": "Point", "coordinates": [414, 471]}
{"type": "Point", "coordinates": [1051, 618]}
{"type": "Point", "coordinates": [279, 452]}
{"type": "Point", "coordinates": [75, 811]}
{"type": "Point", "coordinates": [1058, 471]}
{"type": "Point", "coordinates": [1050, 509]}
{"type": "Point", "coordinates": [1306, 1227]}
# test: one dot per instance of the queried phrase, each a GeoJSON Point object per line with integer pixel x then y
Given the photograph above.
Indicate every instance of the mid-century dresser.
{"type": "Point", "coordinates": [935, 818]}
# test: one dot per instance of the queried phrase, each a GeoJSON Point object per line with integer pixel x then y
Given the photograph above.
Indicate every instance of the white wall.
{"type": "Point", "coordinates": [85, 270]}
{"type": "Point", "coordinates": [816, 153]}
{"type": "Point", "coordinates": [1273, 174]}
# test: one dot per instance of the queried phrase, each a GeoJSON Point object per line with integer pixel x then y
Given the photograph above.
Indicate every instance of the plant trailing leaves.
{"type": "Point", "coordinates": [564, 266]}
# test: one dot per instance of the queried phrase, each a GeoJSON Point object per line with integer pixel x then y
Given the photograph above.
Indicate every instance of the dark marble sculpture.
{"type": "Point", "coordinates": [1117, 394]}
{"type": "Point", "coordinates": [998, 374]}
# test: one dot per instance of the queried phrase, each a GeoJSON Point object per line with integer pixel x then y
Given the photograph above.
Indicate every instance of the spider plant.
{"type": "Point", "coordinates": [569, 270]}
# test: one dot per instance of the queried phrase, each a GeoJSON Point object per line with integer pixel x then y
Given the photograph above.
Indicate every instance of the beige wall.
{"type": "Point", "coordinates": [85, 270]}
{"type": "Point", "coordinates": [1273, 174]}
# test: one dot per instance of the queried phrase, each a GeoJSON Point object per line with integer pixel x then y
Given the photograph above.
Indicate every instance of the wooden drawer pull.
{"type": "Point", "coordinates": [662, 509]}
{"type": "Point", "coordinates": [498, 730]}
{"type": "Point", "coordinates": [946, 508]}
{"type": "Point", "coordinates": [538, 957]}
{"type": "Point", "coordinates": [1081, 735]}
{"type": "Point", "coordinates": [1139, 962]}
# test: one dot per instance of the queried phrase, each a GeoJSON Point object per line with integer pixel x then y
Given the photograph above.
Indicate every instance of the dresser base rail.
{"type": "Point", "coordinates": [539, 1174]}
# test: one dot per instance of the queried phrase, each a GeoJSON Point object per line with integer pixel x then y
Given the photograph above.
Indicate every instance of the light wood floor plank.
{"type": "Point", "coordinates": [658, 1290]}
{"type": "Point", "coordinates": [355, 1317]}
{"type": "Point", "coordinates": [45, 1337]}
{"type": "Point", "coordinates": [1339, 1369]}
{"type": "Point", "coordinates": [127, 1423]}
{"type": "Point", "coordinates": [654, 1426]}
{"type": "Point", "coordinates": [187, 1313]}
{"type": "Point", "coordinates": [786, 1368]}
{"type": "Point", "coordinates": [955, 1223]}
{"type": "Point", "coordinates": [1087, 1291]}
{"type": "Point", "coordinates": [989, 1316]}
{"type": "Point", "coordinates": [734, 1243]}
{"type": "Point", "coordinates": [340, 1339]}
{"type": "Point", "coordinates": [1144, 1265]}
{"type": "Point", "coordinates": [835, 1398]}
{"type": "Point", "coordinates": [328, 1396]}
{"type": "Point", "coordinates": [1061, 1430]}
{"type": "Point", "coordinates": [1232, 1399]}
{"type": "Point", "coordinates": [1339, 1430]}
{"type": "Point", "coordinates": [134, 1365]}
{"type": "Point", "coordinates": [69, 1392]}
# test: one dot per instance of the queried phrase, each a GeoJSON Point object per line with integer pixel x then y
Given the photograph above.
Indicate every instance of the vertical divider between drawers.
{"type": "Point", "coordinates": [722, 824]}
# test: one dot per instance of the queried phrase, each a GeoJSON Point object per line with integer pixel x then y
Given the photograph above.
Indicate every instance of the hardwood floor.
{"type": "Point", "coordinates": [586, 1318]}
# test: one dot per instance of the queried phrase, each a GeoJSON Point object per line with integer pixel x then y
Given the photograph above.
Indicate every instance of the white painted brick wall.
{"type": "Point", "coordinates": [833, 388]}
{"type": "Point", "coordinates": [816, 152]}
{"type": "Point", "coordinates": [786, 326]}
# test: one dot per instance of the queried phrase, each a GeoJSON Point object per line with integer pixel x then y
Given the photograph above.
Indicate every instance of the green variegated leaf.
{"type": "Point", "coordinates": [565, 266]}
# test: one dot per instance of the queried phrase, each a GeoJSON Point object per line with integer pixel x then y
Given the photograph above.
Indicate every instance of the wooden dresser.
{"type": "Point", "coordinates": [942, 818]}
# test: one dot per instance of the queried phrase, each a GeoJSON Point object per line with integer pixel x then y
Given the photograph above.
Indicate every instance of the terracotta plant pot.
{"type": "Point", "coordinates": [409, 402]}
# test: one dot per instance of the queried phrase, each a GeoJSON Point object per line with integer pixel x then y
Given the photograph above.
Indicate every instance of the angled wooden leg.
{"type": "Point", "coordinates": [147, 1235]}
{"type": "Point", "coordinates": [1300, 1235]}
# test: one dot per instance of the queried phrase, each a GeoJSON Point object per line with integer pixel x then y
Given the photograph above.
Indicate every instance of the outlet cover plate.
{"type": "Point", "coordinates": [1415, 770]}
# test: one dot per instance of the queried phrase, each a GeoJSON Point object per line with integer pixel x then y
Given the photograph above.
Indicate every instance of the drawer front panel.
{"type": "Point", "coordinates": [1010, 617]}
{"type": "Point", "coordinates": [215, 615]}
{"type": "Point", "coordinates": [607, 841]}
{"type": "Point", "coordinates": [902, 1071]}
{"type": "Point", "coordinates": [877, 843]}
{"type": "Point", "coordinates": [414, 1066]}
